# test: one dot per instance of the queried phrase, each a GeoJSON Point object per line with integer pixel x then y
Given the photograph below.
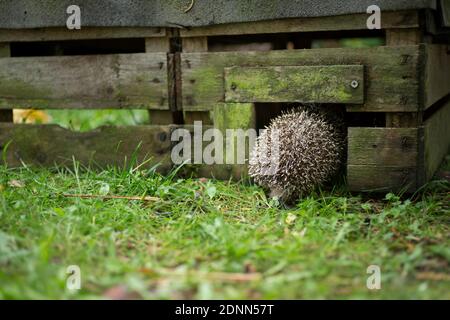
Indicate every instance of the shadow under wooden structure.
{"type": "Point", "coordinates": [230, 64]}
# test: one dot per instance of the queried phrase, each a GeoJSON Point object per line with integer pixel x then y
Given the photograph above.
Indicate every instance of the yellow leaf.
{"type": "Point", "coordinates": [290, 219]}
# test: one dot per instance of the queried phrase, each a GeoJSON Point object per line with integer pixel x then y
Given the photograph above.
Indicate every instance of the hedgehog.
{"type": "Point", "coordinates": [298, 152]}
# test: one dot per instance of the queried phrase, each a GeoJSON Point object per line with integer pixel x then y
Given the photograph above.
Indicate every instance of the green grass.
{"type": "Point", "coordinates": [180, 246]}
{"type": "Point", "coordinates": [85, 120]}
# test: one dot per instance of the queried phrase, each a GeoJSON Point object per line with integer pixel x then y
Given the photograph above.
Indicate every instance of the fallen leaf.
{"type": "Point", "coordinates": [290, 219]}
{"type": "Point", "coordinates": [16, 184]}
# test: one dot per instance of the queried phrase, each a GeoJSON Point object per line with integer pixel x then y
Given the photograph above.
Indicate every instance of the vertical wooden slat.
{"type": "Point", "coordinates": [403, 37]}
{"type": "Point", "coordinates": [161, 117]}
{"type": "Point", "coordinates": [241, 116]}
{"type": "Point", "coordinates": [436, 142]}
{"type": "Point", "coordinates": [196, 44]}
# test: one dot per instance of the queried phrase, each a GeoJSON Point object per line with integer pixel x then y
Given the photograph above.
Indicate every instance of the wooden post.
{"type": "Point", "coordinates": [159, 117]}
{"type": "Point", "coordinates": [196, 44]}
{"type": "Point", "coordinates": [5, 115]}
{"type": "Point", "coordinates": [237, 116]}
{"type": "Point", "coordinates": [404, 37]}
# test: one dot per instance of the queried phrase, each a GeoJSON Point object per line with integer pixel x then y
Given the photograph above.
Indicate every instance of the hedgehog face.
{"type": "Point", "coordinates": [309, 152]}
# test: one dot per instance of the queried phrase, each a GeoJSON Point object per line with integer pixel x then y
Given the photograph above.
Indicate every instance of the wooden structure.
{"type": "Point", "coordinates": [231, 67]}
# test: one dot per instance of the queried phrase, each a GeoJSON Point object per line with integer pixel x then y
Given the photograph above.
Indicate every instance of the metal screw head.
{"type": "Point", "coordinates": [354, 84]}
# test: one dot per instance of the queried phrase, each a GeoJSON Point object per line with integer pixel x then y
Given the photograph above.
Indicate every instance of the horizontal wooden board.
{"type": "Point", "coordinates": [391, 74]}
{"type": "Point", "coordinates": [47, 145]}
{"type": "Point", "coordinates": [306, 84]}
{"type": "Point", "coordinates": [56, 34]}
{"type": "Point", "coordinates": [436, 140]}
{"type": "Point", "coordinates": [437, 74]}
{"type": "Point", "coordinates": [383, 146]}
{"type": "Point", "coordinates": [368, 178]}
{"type": "Point", "coordinates": [402, 19]}
{"type": "Point", "coordinates": [135, 81]}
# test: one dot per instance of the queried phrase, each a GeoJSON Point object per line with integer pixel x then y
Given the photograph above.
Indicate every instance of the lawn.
{"type": "Point", "coordinates": [211, 239]}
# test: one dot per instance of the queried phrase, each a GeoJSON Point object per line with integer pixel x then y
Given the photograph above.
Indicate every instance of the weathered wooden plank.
{"type": "Point", "coordinates": [137, 81]}
{"type": "Point", "coordinates": [228, 116]}
{"type": "Point", "coordinates": [383, 146]}
{"type": "Point", "coordinates": [310, 84]}
{"type": "Point", "coordinates": [157, 44]}
{"type": "Point", "coordinates": [436, 140]}
{"type": "Point", "coordinates": [403, 37]}
{"type": "Point", "coordinates": [59, 34]}
{"type": "Point", "coordinates": [195, 44]}
{"type": "Point", "coordinates": [47, 145]}
{"type": "Point", "coordinates": [392, 80]}
{"type": "Point", "coordinates": [437, 74]}
{"type": "Point", "coordinates": [402, 19]}
{"type": "Point", "coordinates": [191, 116]}
{"type": "Point", "coordinates": [403, 120]}
{"type": "Point", "coordinates": [161, 117]}
{"type": "Point", "coordinates": [383, 159]}
{"type": "Point", "coordinates": [367, 178]}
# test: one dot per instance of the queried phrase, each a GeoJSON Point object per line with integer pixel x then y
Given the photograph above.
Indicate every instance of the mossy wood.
{"type": "Point", "coordinates": [238, 116]}
{"type": "Point", "coordinates": [391, 74]}
{"type": "Point", "coordinates": [135, 81]}
{"type": "Point", "coordinates": [311, 84]}
{"type": "Point", "coordinates": [47, 145]}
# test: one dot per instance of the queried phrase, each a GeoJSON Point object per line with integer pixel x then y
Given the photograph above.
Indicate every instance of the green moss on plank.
{"type": "Point", "coordinates": [330, 84]}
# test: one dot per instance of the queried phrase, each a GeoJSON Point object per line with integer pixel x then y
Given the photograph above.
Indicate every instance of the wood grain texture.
{"type": "Point", "coordinates": [403, 19]}
{"type": "Point", "coordinates": [403, 37]}
{"type": "Point", "coordinates": [383, 146]}
{"type": "Point", "coordinates": [195, 44]}
{"type": "Point", "coordinates": [436, 140]}
{"type": "Point", "coordinates": [47, 145]}
{"type": "Point", "coordinates": [157, 44]}
{"type": "Point", "coordinates": [437, 74]}
{"type": "Point", "coordinates": [311, 84]}
{"type": "Point", "coordinates": [391, 81]}
{"type": "Point", "coordinates": [57, 34]}
{"type": "Point", "coordinates": [383, 159]}
{"type": "Point", "coordinates": [135, 81]}
{"type": "Point", "coordinates": [381, 179]}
